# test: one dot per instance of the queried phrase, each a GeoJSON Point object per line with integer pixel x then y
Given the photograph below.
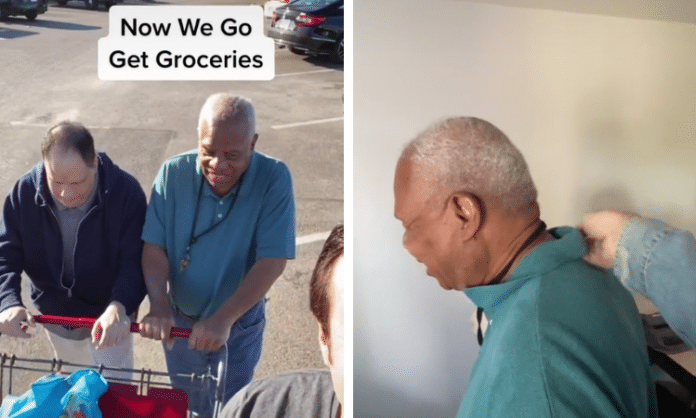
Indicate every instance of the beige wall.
{"type": "Point", "coordinates": [603, 108]}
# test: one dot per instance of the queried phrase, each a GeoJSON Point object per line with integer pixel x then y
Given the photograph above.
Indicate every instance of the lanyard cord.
{"type": "Point", "coordinates": [537, 232]}
{"type": "Point", "coordinates": [195, 238]}
{"type": "Point", "coordinates": [499, 278]}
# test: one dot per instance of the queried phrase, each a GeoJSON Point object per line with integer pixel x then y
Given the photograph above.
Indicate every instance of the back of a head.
{"type": "Point", "coordinates": [319, 286]}
{"type": "Point", "coordinates": [472, 155]}
{"type": "Point", "coordinates": [69, 136]}
{"type": "Point", "coordinates": [228, 108]}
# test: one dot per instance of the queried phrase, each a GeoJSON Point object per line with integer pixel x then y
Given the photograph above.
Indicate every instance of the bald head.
{"type": "Point", "coordinates": [227, 109]}
{"type": "Point", "coordinates": [469, 154]}
{"type": "Point", "coordinates": [68, 136]}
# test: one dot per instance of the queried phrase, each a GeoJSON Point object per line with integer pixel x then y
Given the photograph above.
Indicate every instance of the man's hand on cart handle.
{"type": "Point", "coordinates": [89, 323]}
{"type": "Point", "coordinates": [15, 321]}
{"type": "Point", "coordinates": [112, 327]}
{"type": "Point", "coordinates": [158, 323]}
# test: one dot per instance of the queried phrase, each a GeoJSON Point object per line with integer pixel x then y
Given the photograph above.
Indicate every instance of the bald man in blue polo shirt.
{"type": "Point", "coordinates": [219, 229]}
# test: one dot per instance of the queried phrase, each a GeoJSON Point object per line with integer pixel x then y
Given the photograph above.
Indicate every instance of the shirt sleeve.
{"type": "Point", "coordinates": [659, 262]}
{"type": "Point", "coordinates": [276, 230]}
{"type": "Point", "coordinates": [129, 288]}
{"type": "Point", "coordinates": [237, 404]}
{"type": "Point", "coordinates": [11, 253]}
{"type": "Point", "coordinates": [154, 228]}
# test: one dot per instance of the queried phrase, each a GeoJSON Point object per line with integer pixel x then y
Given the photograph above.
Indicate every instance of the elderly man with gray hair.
{"type": "Point", "coordinates": [564, 339]}
{"type": "Point", "coordinates": [219, 228]}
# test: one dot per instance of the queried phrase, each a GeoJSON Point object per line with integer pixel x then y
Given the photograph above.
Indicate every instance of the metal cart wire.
{"type": "Point", "coordinates": [145, 394]}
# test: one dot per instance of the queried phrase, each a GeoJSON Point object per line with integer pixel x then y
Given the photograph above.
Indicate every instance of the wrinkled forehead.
{"type": "Point", "coordinates": [224, 134]}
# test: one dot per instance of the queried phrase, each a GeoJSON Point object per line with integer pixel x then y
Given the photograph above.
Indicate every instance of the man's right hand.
{"type": "Point", "coordinates": [14, 322]}
{"type": "Point", "coordinates": [602, 232]}
{"type": "Point", "coordinates": [157, 325]}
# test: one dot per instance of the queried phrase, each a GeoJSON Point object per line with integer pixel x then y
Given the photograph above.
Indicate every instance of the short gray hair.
{"type": "Point", "coordinates": [225, 107]}
{"type": "Point", "coordinates": [470, 154]}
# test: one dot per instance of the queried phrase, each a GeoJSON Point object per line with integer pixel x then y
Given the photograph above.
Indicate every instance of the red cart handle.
{"type": "Point", "coordinates": [68, 321]}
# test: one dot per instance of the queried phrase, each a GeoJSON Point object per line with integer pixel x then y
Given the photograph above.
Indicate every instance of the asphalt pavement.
{"type": "Point", "coordinates": [49, 73]}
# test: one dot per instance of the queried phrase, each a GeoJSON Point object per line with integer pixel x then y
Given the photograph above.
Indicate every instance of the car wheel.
{"type": "Point", "coordinates": [297, 51]}
{"type": "Point", "coordinates": [91, 4]}
{"type": "Point", "coordinates": [62, 2]}
{"type": "Point", "coordinates": [337, 53]}
{"type": "Point", "coordinates": [31, 15]}
{"type": "Point", "coordinates": [4, 14]}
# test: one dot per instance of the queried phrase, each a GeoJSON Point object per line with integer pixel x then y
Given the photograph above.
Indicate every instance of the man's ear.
{"type": "Point", "coordinates": [324, 346]}
{"type": "Point", "coordinates": [253, 141]}
{"type": "Point", "coordinates": [469, 212]}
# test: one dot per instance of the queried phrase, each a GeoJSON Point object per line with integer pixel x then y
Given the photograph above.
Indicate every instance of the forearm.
{"type": "Point", "coordinates": [254, 287]}
{"type": "Point", "coordinates": [129, 287]}
{"type": "Point", "coordinates": [10, 291]}
{"type": "Point", "coordinates": [11, 259]}
{"type": "Point", "coordinates": [659, 262]}
{"type": "Point", "coordinates": [156, 275]}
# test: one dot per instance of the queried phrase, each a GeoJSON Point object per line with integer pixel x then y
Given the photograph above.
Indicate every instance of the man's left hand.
{"type": "Point", "coordinates": [209, 335]}
{"type": "Point", "coordinates": [112, 327]}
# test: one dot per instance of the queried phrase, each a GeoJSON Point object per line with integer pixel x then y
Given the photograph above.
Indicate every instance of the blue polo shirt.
{"type": "Point", "coordinates": [564, 340]}
{"type": "Point", "coordinates": [261, 224]}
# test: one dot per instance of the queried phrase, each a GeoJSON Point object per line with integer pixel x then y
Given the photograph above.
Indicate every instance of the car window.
{"type": "Point", "coordinates": [314, 3]}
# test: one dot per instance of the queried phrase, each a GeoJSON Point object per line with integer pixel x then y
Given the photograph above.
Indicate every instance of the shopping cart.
{"type": "Point", "coordinates": [145, 394]}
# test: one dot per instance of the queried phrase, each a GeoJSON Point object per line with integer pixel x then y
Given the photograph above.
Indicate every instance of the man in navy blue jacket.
{"type": "Point", "coordinates": [73, 225]}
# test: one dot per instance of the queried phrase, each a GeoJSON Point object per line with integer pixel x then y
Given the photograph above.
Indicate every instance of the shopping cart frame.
{"type": "Point", "coordinates": [143, 379]}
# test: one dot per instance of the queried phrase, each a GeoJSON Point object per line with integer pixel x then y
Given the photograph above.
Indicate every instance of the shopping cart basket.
{"type": "Point", "coordinates": [145, 394]}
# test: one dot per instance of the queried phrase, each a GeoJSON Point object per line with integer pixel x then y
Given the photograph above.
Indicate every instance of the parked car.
{"type": "Point", "coordinates": [270, 7]}
{"type": "Point", "coordinates": [93, 4]}
{"type": "Point", "coordinates": [310, 27]}
{"type": "Point", "coordinates": [28, 8]}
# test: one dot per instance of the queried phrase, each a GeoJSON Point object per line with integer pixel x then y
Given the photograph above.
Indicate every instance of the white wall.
{"type": "Point", "coordinates": [603, 108]}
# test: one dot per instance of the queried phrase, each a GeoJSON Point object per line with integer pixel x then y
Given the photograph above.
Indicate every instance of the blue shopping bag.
{"type": "Point", "coordinates": [55, 396]}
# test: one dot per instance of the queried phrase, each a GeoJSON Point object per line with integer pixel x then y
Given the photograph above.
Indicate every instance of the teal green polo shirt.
{"type": "Point", "coordinates": [565, 340]}
{"type": "Point", "coordinates": [260, 224]}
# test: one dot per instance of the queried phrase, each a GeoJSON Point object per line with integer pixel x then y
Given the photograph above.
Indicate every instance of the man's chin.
{"type": "Point", "coordinates": [441, 282]}
{"type": "Point", "coordinates": [220, 182]}
{"type": "Point", "coordinates": [71, 205]}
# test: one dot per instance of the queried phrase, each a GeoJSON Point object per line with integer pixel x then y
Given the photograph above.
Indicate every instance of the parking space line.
{"type": "Point", "coordinates": [328, 70]}
{"type": "Point", "coordinates": [311, 122]}
{"type": "Point", "coordinates": [308, 239]}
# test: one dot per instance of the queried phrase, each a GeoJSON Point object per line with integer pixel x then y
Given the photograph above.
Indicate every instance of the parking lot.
{"type": "Point", "coordinates": [49, 73]}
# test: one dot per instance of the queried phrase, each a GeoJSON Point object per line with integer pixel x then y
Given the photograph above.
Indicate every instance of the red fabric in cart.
{"type": "Point", "coordinates": [123, 401]}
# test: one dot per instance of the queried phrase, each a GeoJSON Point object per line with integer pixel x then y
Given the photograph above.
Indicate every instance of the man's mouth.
{"type": "Point", "coordinates": [217, 176]}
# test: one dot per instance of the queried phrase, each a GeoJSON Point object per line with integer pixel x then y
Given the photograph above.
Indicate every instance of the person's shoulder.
{"type": "Point", "coordinates": [184, 159]}
{"type": "Point", "coordinates": [299, 378]}
{"type": "Point", "coordinates": [183, 164]}
{"type": "Point", "coordinates": [287, 394]}
{"type": "Point", "coordinates": [269, 165]}
{"type": "Point", "coordinates": [27, 185]}
{"type": "Point", "coordinates": [118, 179]}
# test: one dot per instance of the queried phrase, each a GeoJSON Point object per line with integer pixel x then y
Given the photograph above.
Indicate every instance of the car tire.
{"type": "Point", "coordinates": [297, 51]}
{"type": "Point", "coordinates": [4, 14]}
{"type": "Point", "coordinates": [62, 2]}
{"type": "Point", "coordinates": [91, 4]}
{"type": "Point", "coordinates": [337, 53]}
{"type": "Point", "coordinates": [31, 15]}
{"type": "Point", "coordinates": [108, 4]}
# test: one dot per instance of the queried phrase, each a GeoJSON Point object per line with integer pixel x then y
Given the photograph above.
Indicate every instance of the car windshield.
{"type": "Point", "coordinates": [314, 3]}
